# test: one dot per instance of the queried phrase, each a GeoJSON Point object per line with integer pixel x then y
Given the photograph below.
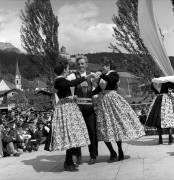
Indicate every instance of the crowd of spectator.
{"type": "Point", "coordinates": [22, 131]}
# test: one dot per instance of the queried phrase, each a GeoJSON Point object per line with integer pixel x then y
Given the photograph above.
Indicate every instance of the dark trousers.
{"type": "Point", "coordinates": [90, 120]}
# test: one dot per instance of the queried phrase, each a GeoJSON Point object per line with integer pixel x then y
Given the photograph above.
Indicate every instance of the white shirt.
{"type": "Point", "coordinates": [72, 77]}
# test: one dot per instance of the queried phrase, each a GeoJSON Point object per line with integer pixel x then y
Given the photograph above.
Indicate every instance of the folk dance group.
{"type": "Point", "coordinates": [109, 119]}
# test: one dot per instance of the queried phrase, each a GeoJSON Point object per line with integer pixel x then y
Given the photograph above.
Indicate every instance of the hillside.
{"type": "Point", "coordinates": [116, 57]}
{"type": "Point", "coordinates": [28, 65]}
{"type": "Point", "coordinates": [30, 68]}
{"type": "Point", "coordinates": [8, 47]}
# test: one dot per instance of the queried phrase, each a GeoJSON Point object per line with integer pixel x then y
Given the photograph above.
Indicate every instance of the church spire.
{"type": "Point", "coordinates": [18, 77]}
{"type": "Point", "coordinates": [17, 69]}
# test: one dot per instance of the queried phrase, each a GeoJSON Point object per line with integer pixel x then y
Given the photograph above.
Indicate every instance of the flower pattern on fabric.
{"type": "Point", "coordinates": [116, 120]}
{"type": "Point", "coordinates": [68, 126]}
{"type": "Point", "coordinates": [167, 112]}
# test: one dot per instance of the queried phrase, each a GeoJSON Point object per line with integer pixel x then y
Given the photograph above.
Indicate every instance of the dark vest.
{"type": "Point", "coordinates": [87, 93]}
{"type": "Point", "coordinates": [85, 108]}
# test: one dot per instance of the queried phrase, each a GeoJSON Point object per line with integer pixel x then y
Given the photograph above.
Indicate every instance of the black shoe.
{"type": "Point", "coordinates": [75, 165]}
{"type": "Point", "coordinates": [29, 150]}
{"type": "Point", "coordinates": [113, 158]}
{"type": "Point", "coordinates": [17, 154]}
{"type": "Point", "coordinates": [121, 156]}
{"type": "Point", "coordinates": [71, 168]}
{"type": "Point", "coordinates": [6, 155]}
{"type": "Point", "coordinates": [92, 161]}
{"type": "Point", "coordinates": [79, 160]}
{"type": "Point", "coordinates": [35, 149]}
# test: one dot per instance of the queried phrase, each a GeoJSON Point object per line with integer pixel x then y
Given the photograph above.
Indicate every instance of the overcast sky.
{"type": "Point", "coordinates": [85, 25]}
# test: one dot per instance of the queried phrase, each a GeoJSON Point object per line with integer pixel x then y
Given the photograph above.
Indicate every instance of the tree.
{"type": "Point", "coordinates": [172, 3]}
{"type": "Point", "coordinates": [19, 99]}
{"type": "Point", "coordinates": [39, 33]}
{"type": "Point", "coordinates": [127, 39]}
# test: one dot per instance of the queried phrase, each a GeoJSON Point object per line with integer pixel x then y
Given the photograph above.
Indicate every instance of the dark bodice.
{"type": "Point", "coordinates": [63, 85]}
{"type": "Point", "coordinates": [164, 88]}
{"type": "Point", "coordinates": [112, 79]}
{"type": "Point", "coordinates": [83, 92]}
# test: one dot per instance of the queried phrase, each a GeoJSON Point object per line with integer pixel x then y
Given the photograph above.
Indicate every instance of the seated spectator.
{"type": "Point", "coordinates": [43, 130]}
{"type": "Point", "coordinates": [13, 132]}
{"type": "Point", "coordinates": [34, 141]}
{"type": "Point", "coordinates": [7, 141]}
{"type": "Point", "coordinates": [23, 138]}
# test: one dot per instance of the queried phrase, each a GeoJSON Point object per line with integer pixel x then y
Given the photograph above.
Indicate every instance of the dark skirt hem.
{"type": "Point", "coordinates": [154, 117]}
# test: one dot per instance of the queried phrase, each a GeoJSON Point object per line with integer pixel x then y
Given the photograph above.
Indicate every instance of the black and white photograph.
{"type": "Point", "coordinates": [86, 89]}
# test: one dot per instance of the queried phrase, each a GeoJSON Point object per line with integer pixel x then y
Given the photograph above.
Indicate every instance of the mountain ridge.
{"type": "Point", "coordinates": [6, 46]}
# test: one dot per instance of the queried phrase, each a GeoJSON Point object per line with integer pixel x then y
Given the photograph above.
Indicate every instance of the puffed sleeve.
{"type": "Point", "coordinates": [96, 90]}
{"type": "Point", "coordinates": [112, 77]}
{"type": "Point", "coordinates": [64, 83]}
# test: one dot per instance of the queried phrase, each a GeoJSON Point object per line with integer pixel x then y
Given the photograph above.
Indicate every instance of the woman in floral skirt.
{"type": "Point", "coordinates": [161, 111]}
{"type": "Point", "coordinates": [68, 126]}
{"type": "Point", "coordinates": [116, 120]}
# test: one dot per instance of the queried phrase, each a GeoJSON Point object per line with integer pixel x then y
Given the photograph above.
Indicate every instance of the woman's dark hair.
{"type": "Point", "coordinates": [60, 66]}
{"type": "Point", "coordinates": [108, 62]}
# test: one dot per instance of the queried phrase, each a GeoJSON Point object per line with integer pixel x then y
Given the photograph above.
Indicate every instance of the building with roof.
{"type": "Point", "coordinates": [64, 54]}
{"type": "Point", "coordinates": [8, 89]}
{"type": "Point", "coordinates": [6, 85]}
{"type": "Point", "coordinates": [40, 85]}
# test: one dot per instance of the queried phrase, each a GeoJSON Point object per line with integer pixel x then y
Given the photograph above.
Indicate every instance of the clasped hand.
{"type": "Point", "coordinates": [94, 75]}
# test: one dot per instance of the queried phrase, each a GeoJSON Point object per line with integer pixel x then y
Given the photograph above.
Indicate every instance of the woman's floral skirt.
{"type": "Point", "coordinates": [68, 126]}
{"type": "Point", "coordinates": [116, 120]}
{"type": "Point", "coordinates": [161, 112]}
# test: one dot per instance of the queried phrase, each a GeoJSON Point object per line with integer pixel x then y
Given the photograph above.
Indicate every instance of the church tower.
{"type": "Point", "coordinates": [18, 78]}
